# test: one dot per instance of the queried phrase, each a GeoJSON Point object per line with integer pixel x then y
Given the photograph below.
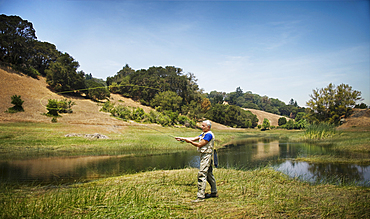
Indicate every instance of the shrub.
{"type": "Point", "coordinates": [59, 106]}
{"type": "Point", "coordinates": [265, 124]}
{"type": "Point", "coordinates": [17, 102]}
{"type": "Point", "coordinates": [282, 121]}
{"type": "Point", "coordinates": [137, 114]}
{"type": "Point", "coordinates": [52, 107]}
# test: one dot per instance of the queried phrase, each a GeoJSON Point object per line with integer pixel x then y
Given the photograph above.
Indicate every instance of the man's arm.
{"type": "Point", "coordinates": [193, 141]}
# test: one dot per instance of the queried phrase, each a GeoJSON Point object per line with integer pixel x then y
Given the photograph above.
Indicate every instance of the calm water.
{"type": "Point", "coordinates": [242, 155]}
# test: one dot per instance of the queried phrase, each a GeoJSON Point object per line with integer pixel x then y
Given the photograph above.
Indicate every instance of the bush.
{"type": "Point", "coordinates": [265, 124]}
{"type": "Point", "coordinates": [165, 118]}
{"type": "Point", "coordinates": [52, 107]}
{"type": "Point", "coordinates": [137, 114]}
{"type": "Point", "coordinates": [282, 121]}
{"type": "Point", "coordinates": [122, 112]}
{"type": "Point", "coordinates": [17, 102]}
{"type": "Point", "coordinates": [59, 106]}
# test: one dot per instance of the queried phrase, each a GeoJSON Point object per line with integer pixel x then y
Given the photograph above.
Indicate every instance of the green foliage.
{"type": "Point", "coordinates": [361, 106]}
{"type": "Point", "coordinates": [265, 124]}
{"type": "Point", "coordinates": [164, 118]}
{"type": "Point", "coordinates": [264, 103]}
{"type": "Point", "coordinates": [300, 116]}
{"type": "Point", "coordinates": [44, 54]}
{"type": "Point", "coordinates": [144, 84]}
{"type": "Point", "coordinates": [17, 37]}
{"type": "Point", "coordinates": [167, 100]}
{"type": "Point", "coordinates": [96, 90]}
{"type": "Point", "coordinates": [62, 74]}
{"type": "Point", "coordinates": [291, 124]}
{"type": "Point", "coordinates": [55, 107]}
{"type": "Point", "coordinates": [114, 88]}
{"type": "Point", "coordinates": [282, 121]}
{"type": "Point", "coordinates": [332, 103]}
{"type": "Point", "coordinates": [216, 97]}
{"type": "Point", "coordinates": [20, 49]}
{"type": "Point", "coordinates": [301, 124]}
{"type": "Point", "coordinates": [52, 107]}
{"type": "Point", "coordinates": [320, 131]}
{"type": "Point", "coordinates": [233, 116]}
{"type": "Point", "coordinates": [17, 102]}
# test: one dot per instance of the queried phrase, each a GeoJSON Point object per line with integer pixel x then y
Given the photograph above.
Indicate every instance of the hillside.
{"type": "Point", "coordinates": [35, 94]}
{"type": "Point", "coordinates": [273, 118]}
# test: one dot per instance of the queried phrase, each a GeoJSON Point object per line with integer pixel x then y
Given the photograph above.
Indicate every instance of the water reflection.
{"type": "Point", "coordinates": [247, 154]}
{"type": "Point", "coordinates": [70, 169]}
{"type": "Point", "coordinates": [327, 173]}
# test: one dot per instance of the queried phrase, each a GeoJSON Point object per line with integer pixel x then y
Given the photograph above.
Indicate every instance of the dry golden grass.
{"type": "Point", "coordinates": [273, 118]}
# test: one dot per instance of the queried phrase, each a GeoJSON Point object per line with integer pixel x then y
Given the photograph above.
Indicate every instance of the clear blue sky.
{"type": "Point", "coordinates": [282, 49]}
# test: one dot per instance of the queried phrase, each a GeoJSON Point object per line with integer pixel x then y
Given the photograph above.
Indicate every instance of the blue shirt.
{"type": "Point", "coordinates": [207, 137]}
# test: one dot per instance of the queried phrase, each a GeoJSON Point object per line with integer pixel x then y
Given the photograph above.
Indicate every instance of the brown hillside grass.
{"type": "Point", "coordinates": [359, 120]}
{"type": "Point", "coordinates": [273, 118]}
{"type": "Point", "coordinates": [35, 94]}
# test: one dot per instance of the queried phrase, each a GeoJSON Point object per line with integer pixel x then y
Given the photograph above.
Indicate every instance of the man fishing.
{"type": "Point", "coordinates": [205, 145]}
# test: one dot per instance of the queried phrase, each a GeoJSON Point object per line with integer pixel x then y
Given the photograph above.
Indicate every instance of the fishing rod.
{"type": "Point", "coordinates": [215, 156]}
{"type": "Point", "coordinates": [182, 141]}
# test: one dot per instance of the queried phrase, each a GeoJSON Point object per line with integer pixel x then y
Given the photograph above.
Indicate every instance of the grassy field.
{"type": "Point", "coordinates": [260, 193]}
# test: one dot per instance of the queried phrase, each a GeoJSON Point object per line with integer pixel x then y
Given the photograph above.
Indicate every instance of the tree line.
{"type": "Point", "coordinates": [255, 101]}
{"type": "Point", "coordinates": [20, 49]}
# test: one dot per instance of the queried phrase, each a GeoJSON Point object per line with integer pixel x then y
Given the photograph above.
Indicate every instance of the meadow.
{"type": "Point", "coordinates": [257, 193]}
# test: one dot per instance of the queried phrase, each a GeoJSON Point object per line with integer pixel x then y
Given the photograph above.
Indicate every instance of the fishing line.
{"type": "Point", "coordinates": [92, 88]}
{"type": "Point", "coordinates": [132, 85]}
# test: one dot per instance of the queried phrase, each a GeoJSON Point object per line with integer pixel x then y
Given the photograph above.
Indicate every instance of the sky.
{"type": "Point", "coordinates": [279, 49]}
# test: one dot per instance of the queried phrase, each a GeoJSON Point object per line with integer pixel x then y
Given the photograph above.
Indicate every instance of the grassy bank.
{"type": "Point", "coordinates": [163, 194]}
{"type": "Point", "coordinates": [20, 140]}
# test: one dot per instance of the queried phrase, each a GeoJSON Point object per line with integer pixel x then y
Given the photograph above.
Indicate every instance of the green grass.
{"type": "Point", "coordinates": [320, 131]}
{"type": "Point", "coordinates": [261, 193]}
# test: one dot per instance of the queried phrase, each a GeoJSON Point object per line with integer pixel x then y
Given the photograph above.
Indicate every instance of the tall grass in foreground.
{"type": "Point", "coordinates": [320, 131]}
{"type": "Point", "coordinates": [261, 193]}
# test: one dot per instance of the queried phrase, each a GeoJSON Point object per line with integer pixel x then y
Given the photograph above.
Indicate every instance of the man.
{"type": "Point", "coordinates": [205, 146]}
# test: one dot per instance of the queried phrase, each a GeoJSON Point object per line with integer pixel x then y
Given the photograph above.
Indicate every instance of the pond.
{"type": "Point", "coordinates": [248, 154]}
